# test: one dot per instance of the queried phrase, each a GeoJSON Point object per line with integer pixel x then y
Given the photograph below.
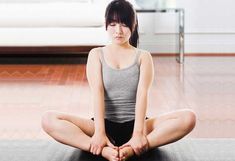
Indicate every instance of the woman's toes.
{"type": "Point", "coordinates": [115, 154]}
{"type": "Point", "coordinates": [115, 158]}
{"type": "Point", "coordinates": [122, 154]}
{"type": "Point", "coordinates": [125, 153]}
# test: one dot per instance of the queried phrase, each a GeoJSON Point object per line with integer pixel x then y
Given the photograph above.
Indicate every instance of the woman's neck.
{"type": "Point", "coordinates": [117, 47]}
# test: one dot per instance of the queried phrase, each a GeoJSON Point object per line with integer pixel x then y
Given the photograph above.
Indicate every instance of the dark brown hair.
{"type": "Point", "coordinates": [122, 11]}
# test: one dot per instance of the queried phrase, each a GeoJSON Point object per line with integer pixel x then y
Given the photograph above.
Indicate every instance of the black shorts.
{"type": "Point", "coordinates": [119, 133]}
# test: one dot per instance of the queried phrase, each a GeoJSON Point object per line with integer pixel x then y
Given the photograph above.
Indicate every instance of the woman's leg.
{"type": "Point", "coordinates": [68, 129]}
{"type": "Point", "coordinates": [169, 127]}
{"type": "Point", "coordinates": [74, 131]}
{"type": "Point", "coordinates": [165, 129]}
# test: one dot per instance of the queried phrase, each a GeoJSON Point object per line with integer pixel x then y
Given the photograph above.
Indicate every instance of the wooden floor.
{"type": "Point", "coordinates": [204, 84]}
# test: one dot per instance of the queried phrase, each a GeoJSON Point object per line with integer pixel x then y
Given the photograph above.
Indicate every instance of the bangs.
{"type": "Point", "coordinates": [119, 17]}
{"type": "Point", "coordinates": [120, 13]}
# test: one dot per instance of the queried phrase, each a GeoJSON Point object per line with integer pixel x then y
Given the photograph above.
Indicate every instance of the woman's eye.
{"type": "Point", "coordinates": [124, 25]}
{"type": "Point", "coordinates": [112, 24]}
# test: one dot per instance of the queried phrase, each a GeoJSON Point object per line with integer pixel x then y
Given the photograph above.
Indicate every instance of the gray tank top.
{"type": "Point", "coordinates": [120, 88]}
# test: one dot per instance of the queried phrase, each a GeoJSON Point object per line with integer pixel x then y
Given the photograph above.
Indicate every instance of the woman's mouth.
{"type": "Point", "coordinates": [118, 37]}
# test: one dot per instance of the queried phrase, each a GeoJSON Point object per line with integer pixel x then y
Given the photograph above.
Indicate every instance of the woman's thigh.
{"type": "Point", "coordinates": [86, 125]}
{"type": "Point", "coordinates": [186, 115]}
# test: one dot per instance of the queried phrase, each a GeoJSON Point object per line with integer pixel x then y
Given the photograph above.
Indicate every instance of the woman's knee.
{"type": "Point", "coordinates": [188, 119]}
{"type": "Point", "coordinates": [48, 121]}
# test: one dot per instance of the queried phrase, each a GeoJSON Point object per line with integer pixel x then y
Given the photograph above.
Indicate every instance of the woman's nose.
{"type": "Point", "coordinates": [118, 28]}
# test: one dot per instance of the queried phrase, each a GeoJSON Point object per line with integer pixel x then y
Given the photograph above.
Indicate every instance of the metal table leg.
{"type": "Point", "coordinates": [180, 58]}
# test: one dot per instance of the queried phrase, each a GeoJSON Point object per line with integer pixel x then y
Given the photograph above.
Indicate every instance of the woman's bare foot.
{"type": "Point", "coordinates": [125, 153]}
{"type": "Point", "coordinates": [110, 153]}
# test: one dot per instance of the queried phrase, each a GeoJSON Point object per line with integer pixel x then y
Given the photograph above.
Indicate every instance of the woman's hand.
{"type": "Point", "coordinates": [138, 142]}
{"type": "Point", "coordinates": [98, 141]}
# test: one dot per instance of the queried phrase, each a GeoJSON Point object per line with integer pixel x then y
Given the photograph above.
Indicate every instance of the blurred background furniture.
{"type": "Point", "coordinates": [54, 27]}
{"type": "Point", "coordinates": [180, 27]}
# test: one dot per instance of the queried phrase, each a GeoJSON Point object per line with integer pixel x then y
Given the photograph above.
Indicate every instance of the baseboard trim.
{"type": "Point", "coordinates": [210, 54]}
{"type": "Point", "coordinates": [194, 54]}
{"type": "Point", "coordinates": [46, 49]}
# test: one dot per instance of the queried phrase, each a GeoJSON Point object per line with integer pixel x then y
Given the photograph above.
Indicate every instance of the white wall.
{"type": "Point", "coordinates": [158, 32]}
{"type": "Point", "coordinates": [209, 28]}
{"type": "Point", "coordinates": [209, 25]}
{"type": "Point", "coordinates": [209, 16]}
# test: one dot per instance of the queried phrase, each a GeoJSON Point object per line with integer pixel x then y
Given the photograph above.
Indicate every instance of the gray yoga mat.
{"type": "Point", "coordinates": [183, 150]}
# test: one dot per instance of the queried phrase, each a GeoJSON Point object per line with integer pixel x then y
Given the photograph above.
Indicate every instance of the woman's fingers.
{"type": "Point", "coordinates": [140, 150]}
{"type": "Point", "coordinates": [96, 150]}
{"type": "Point", "coordinates": [93, 149]}
{"type": "Point", "coordinates": [137, 151]}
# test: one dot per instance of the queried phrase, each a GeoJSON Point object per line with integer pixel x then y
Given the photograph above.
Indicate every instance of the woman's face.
{"type": "Point", "coordinates": [119, 33]}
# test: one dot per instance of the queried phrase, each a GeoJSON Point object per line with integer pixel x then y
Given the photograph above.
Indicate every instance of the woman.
{"type": "Point", "coordinates": [120, 76]}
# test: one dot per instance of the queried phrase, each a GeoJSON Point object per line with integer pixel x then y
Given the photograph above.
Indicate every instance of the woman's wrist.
{"type": "Point", "coordinates": [100, 132]}
{"type": "Point", "coordinates": [99, 126]}
{"type": "Point", "coordinates": [137, 132]}
{"type": "Point", "coordinates": [138, 129]}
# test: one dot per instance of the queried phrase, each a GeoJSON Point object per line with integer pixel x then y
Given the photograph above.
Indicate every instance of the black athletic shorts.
{"type": "Point", "coordinates": [119, 133]}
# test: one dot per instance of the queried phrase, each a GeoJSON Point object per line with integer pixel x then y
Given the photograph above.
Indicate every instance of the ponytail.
{"type": "Point", "coordinates": [134, 39]}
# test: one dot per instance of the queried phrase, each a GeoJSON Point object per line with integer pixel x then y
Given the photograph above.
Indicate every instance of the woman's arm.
{"type": "Point", "coordinates": [139, 141]}
{"type": "Point", "coordinates": [145, 81]}
{"type": "Point", "coordinates": [94, 76]}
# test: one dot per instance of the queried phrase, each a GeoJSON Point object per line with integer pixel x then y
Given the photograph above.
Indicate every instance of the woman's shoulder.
{"type": "Point", "coordinates": [143, 51]}
{"type": "Point", "coordinates": [95, 53]}
{"type": "Point", "coordinates": [144, 54]}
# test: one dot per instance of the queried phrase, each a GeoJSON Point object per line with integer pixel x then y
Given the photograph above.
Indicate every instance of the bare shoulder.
{"type": "Point", "coordinates": [93, 69]}
{"type": "Point", "coordinates": [146, 70]}
{"type": "Point", "coordinates": [145, 56]}
{"type": "Point", "coordinates": [94, 53]}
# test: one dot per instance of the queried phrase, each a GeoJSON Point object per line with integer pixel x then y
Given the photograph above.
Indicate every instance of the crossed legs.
{"type": "Point", "coordinates": [169, 127]}
{"type": "Point", "coordinates": [166, 128]}
{"type": "Point", "coordinates": [75, 131]}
